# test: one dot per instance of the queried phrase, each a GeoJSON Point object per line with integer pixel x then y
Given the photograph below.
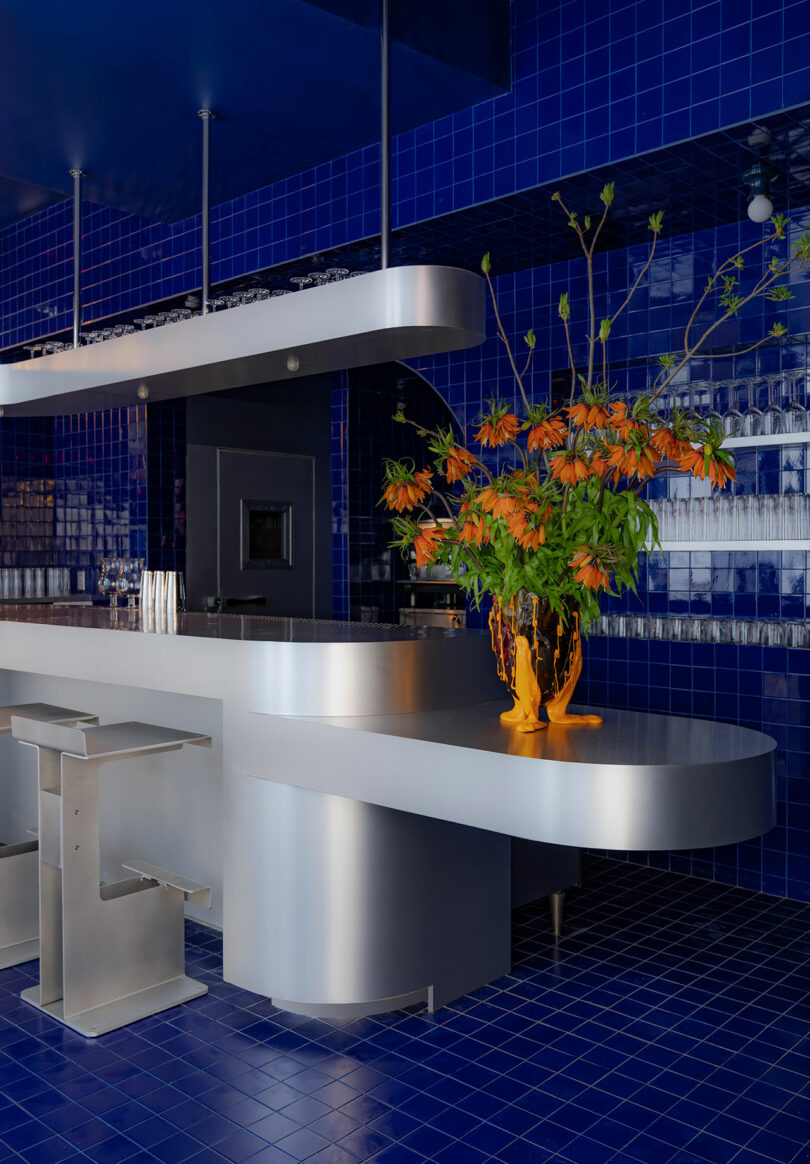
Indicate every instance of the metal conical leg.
{"type": "Point", "coordinates": [556, 903]}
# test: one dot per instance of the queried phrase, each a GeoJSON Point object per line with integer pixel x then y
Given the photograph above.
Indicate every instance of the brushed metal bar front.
{"type": "Point", "coordinates": [384, 315]}
{"type": "Point", "coordinates": [110, 954]}
{"type": "Point", "coordinates": [19, 862]}
{"type": "Point", "coordinates": [339, 908]}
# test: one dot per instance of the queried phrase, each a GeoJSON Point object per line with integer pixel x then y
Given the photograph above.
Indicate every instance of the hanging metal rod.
{"type": "Point", "coordinates": [205, 116]}
{"type": "Point", "coordinates": [385, 134]}
{"type": "Point", "coordinates": [77, 255]}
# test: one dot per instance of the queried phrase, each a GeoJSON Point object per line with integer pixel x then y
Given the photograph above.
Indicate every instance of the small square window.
{"type": "Point", "coordinates": [266, 535]}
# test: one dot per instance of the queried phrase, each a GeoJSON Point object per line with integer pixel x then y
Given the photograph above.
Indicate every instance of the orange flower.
{"type": "Point", "coordinates": [666, 444]}
{"type": "Point", "coordinates": [459, 463]}
{"type": "Point", "coordinates": [426, 543]}
{"type": "Point", "coordinates": [526, 535]}
{"type": "Point", "coordinates": [498, 504]}
{"type": "Point", "coordinates": [474, 531]}
{"type": "Point", "coordinates": [404, 494]}
{"type": "Point", "coordinates": [588, 416]}
{"type": "Point", "coordinates": [588, 571]}
{"type": "Point", "coordinates": [498, 430]}
{"type": "Point", "coordinates": [570, 468]}
{"type": "Point", "coordinates": [623, 424]}
{"type": "Point", "coordinates": [631, 461]}
{"type": "Point", "coordinates": [599, 466]}
{"type": "Point", "coordinates": [702, 465]}
{"type": "Point", "coordinates": [548, 434]}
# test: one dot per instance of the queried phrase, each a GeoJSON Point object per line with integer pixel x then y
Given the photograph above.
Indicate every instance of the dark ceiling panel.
{"type": "Point", "coordinates": [114, 89]}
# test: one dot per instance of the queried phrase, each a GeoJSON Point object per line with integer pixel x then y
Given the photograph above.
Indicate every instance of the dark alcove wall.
{"type": "Point", "coordinates": [291, 419]}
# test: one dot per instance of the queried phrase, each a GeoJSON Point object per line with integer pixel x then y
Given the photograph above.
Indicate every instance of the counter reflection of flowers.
{"type": "Point", "coordinates": [566, 519]}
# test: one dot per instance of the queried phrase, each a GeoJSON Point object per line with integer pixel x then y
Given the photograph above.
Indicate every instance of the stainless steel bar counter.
{"type": "Point", "coordinates": [356, 814]}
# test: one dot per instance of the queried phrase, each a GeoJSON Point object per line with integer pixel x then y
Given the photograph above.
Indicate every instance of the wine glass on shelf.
{"type": "Point", "coordinates": [752, 417]}
{"type": "Point", "coordinates": [772, 415]}
{"type": "Point", "coordinates": [301, 281]}
{"type": "Point", "coordinates": [795, 412]}
{"type": "Point", "coordinates": [733, 417]}
{"type": "Point", "coordinates": [712, 412]}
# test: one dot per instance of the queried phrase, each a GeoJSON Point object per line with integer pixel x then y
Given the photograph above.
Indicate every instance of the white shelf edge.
{"type": "Point", "coordinates": [766, 546]}
{"type": "Point", "coordinates": [777, 438]}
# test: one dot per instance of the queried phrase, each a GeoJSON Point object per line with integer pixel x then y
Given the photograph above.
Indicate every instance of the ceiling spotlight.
{"type": "Point", "coordinates": [143, 391]}
{"type": "Point", "coordinates": [759, 178]}
{"type": "Point", "coordinates": [293, 363]}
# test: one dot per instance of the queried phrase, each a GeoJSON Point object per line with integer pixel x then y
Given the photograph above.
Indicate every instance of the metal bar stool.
{"type": "Point", "coordinates": [110, 954]}
{"type": "Point", "coordinates": [19, 863]}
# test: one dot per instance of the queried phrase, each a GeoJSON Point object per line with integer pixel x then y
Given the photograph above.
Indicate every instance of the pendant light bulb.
{"type": "Point", "coordinates": [759, 178]}
{"type": "Point", "coordinates": [760, 208]}
{"type": "Point", "coordinates": [143, 391]}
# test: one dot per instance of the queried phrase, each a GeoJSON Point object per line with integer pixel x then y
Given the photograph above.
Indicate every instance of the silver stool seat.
{"type": "Point", "coordinates": [19, 863]}
{"type": "Point", "coordinates": [115, 953]}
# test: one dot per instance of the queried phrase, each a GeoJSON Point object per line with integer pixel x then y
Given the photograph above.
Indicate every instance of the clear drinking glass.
{"type": "Point", "coordinates": [752, 417]}
{"type": "Point", "coordinates": [337, 274]}
{"type": "Point", "coordinates": [301, 281]}
{"type": "Point", "coordinates": [733, 418]}
{"type": "Point", "coordinates": [795, 412]}
{"type": "Point", "coordinates": [772, 415]}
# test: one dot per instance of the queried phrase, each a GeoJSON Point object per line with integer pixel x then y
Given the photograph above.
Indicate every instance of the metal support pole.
{"type": "Point", "coordinates": [77, 255]}
{"type": "Point", "coordinates": [385, 134]}
{"type": "Point", "coordinates": [205, 116]}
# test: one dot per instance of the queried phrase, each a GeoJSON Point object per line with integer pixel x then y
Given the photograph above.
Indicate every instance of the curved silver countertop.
{"type": "Point", "coordinates": [637, 781]}
{"type": "Point", "coordinates": [275, 665]}
{"type": "Point", "coordinates": [318, 705]}
{"type": "Point", "coordinates": [230, 627]}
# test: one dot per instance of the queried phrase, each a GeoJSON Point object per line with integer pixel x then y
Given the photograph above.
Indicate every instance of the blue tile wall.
{"type": "Point", "coordinates": [99, 487]}
{"type": "Point", "coordinates": [27, 492]}
{"type": "Point", "coordinates": [77, 488]}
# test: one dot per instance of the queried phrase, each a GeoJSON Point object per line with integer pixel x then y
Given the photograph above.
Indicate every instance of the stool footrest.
{"type": "Point", "coordinates": [194, 892]}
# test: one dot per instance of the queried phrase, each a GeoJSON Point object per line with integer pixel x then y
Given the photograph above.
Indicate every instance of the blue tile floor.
{"type": "Point", "coordinates": [670, 1023]}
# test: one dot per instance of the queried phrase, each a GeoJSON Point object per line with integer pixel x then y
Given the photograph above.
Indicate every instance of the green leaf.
{"type": "Point", "coordinates": [607, 193]}
{"type": "Point", "coordinates": [655, 221]}
{"type": "Point", "coordinates": [604, 330]}
{"type": "Point", "coordinates": [530, 339]}
{"type": "Point", "coordinates": [564, 307]}
{"type": "Point", "coordinates": [486, 265]}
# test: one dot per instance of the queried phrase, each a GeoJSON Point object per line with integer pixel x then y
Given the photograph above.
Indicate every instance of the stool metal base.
{"type": "Point", "coordinates": [130, 1009]}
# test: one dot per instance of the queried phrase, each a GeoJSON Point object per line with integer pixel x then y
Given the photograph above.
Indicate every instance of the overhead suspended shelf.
{"type": "Point", "coordinates": [391, 314]}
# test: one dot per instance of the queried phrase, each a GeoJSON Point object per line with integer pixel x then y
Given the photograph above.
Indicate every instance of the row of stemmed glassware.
{"type": "Point", "coordinates": [733, 517]}
{"type": "Point", "coordinates": [704, 629]}
{"type": "Point", "coordinates": [120, 578]}
{"type": "Point", "coordinates": [748, 406]}
{"type": "Point", "coordinates": [177, 314]}
{"type": "Point", "coordinates": [46, 349]}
